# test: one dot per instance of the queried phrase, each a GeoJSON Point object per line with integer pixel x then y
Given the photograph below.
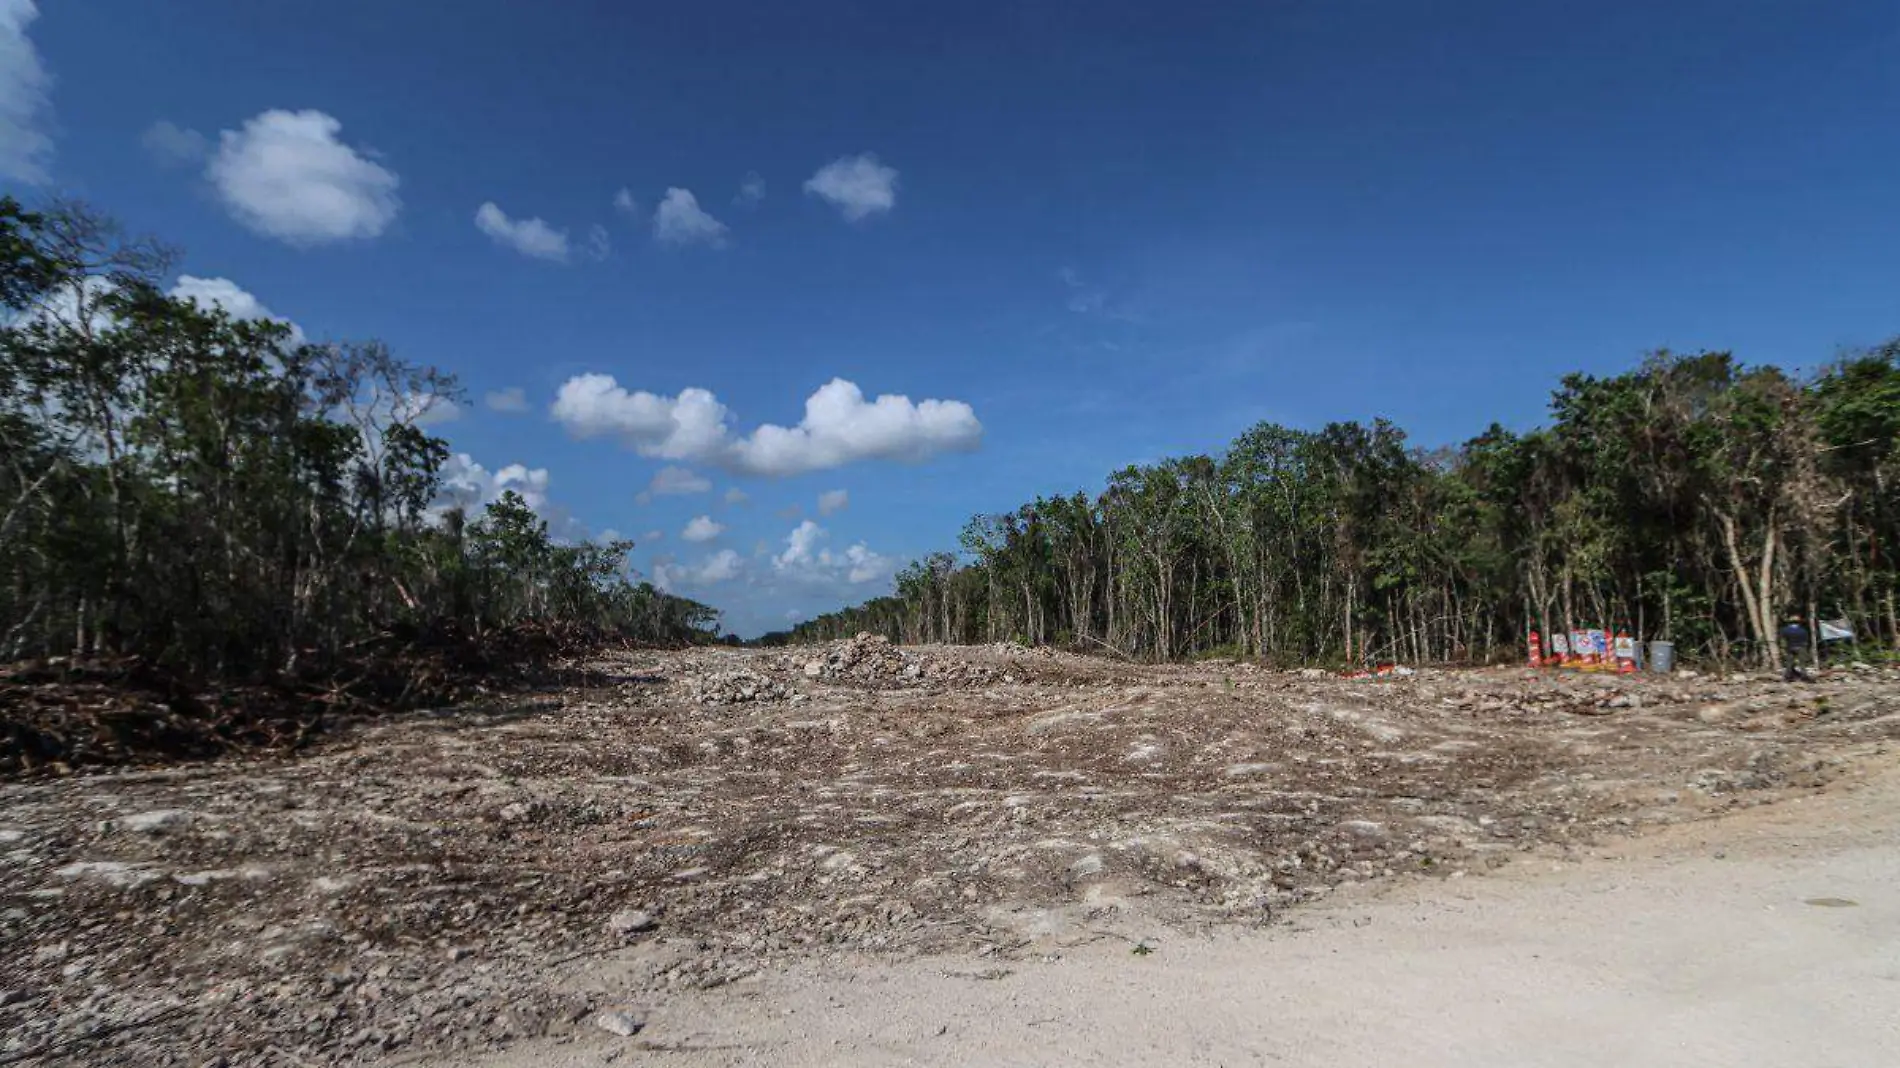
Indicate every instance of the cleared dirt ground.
{"type": "Point", "coordinates": [453, 884]}
{"type": "Point", "coordinates": [1767, 937]}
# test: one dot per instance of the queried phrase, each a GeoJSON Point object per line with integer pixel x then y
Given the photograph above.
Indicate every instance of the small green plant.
{"type": "Point", "coordinates": [1142, 949]}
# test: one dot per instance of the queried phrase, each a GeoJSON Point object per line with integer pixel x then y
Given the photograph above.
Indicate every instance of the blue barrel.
{"type": "Point", "coordinates": [1662, 657]}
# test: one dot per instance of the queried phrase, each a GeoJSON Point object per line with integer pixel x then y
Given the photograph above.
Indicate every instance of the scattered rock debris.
{"type": "Point", "coordinates": [631, 922]}
{"type": "Point", "coordinates": [872, 662]}
{"type": "Point", "coordinates": [620, 1022]}
{"type": "Point", "coordinates": [447, 884]}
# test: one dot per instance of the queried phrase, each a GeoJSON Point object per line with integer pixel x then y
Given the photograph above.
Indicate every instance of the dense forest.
{"type": "Point", "coordinates": [220, 499]}
{"type": "Point", "coordinates": [224, 499]}
{"type": "Point", "coordinates": [1695, 499]}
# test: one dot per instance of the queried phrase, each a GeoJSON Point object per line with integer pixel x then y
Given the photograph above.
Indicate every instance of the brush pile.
{"type": "Point", "coordinates": [63, 713]}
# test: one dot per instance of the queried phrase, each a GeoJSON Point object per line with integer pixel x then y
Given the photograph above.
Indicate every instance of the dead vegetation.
{"type": "Point", "coordinates": [64, 713]}
{"type": "Point", "coordinates": [450, 882]}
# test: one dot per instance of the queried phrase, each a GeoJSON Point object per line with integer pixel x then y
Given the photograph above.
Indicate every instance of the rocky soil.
{"type": "Point", "coordinates": [439, 882]}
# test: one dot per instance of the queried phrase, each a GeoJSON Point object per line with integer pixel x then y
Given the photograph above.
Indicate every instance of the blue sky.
{"type": "Point", "coordinates": [1114, 231]}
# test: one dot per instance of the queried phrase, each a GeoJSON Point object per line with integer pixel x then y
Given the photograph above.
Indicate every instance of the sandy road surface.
{"type": "Point", "coordinates": [1766, 938]}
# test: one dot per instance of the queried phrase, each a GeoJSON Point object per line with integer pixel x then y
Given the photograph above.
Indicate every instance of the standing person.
{"type": "Point", "coordinates": [1794, 639]}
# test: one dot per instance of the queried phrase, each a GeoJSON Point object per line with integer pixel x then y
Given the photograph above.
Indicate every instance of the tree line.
{"type": "Point", "coordinates": [224, 500]}
{"type": "Point", "coordinates": [1695, 499]}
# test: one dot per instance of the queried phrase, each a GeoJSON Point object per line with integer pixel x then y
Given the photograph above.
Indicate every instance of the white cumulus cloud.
{"type": "Point", "coordinates": [689, 426]}
{"type": "Point", "coordinates": [806, 560]}
{"type": "Point", "coordinates": [173, 145]}
{"type": "Point", "coordinates": [677, 481]}
{"type": "Point", "coordinates": [858, 186]}
{"type": "Point", "coordinates": [625, 204]}
{"type": "Point", "coordinates": [701, 528]}
{"type": "Point", "coordinates": [26, 88]}
{"type": "Point", "coordinates": [679, 220]}
{"type": "Point", "coordinates": [833, 501]}
{"type": "Point", "coordinates": [800, 544]}
{"type": "Point", "coordinates": [735, 495]}
{"type": "Point", "coordinates": [751, 191]}
{"type": "Point", "coordinates": [722, 566]}
{"type": "Point", "coordinates": [511, 400]}
{"type": "Point", "coordinates": [470, 486]}
{"type": "Point", "coordinates": [840, 427]}
{"type": "Point", "coordinates": [861, 565]}
{"type": "Point", "coordinates": [231, 298]}
{"type": "Point", "coordinates": [287, 175]}
{"type": "Point", "coordinates": [530, 237]}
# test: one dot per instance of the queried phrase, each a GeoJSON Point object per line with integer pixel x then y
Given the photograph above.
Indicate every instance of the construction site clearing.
{"type": "Point", "coordinates": [448, 883]}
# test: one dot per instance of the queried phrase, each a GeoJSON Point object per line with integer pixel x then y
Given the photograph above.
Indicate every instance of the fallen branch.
{"type": "Point", "coordinates": [1119, 655]}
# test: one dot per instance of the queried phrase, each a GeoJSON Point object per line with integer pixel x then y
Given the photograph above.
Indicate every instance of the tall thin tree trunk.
{"type": "Point", "coordinates": [1756, 611]}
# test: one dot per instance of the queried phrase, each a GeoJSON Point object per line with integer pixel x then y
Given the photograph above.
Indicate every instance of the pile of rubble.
{"type": "Point", "coordinates": [736, 687]}
{"type": "Point", "coordinates": [867, 658]}
{"type": "Point", "coordinates": [871, 661]}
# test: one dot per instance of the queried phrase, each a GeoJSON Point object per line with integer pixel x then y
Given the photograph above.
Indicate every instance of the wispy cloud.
{"type": "Point", "coordinates": [751, 190]}
{"type": "Point", "coordinates": [26, 150]}
{"type": "Point", "coordinates": [510, 400]}
{"type": "Point", "coordinates": [174, 146]}
{"type": "Point", "coordinates": [673, 481]}
{"type": "Point", "coordinates": [530, 237]}
{"type": "Point", "coordinates": [1083, 299]}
